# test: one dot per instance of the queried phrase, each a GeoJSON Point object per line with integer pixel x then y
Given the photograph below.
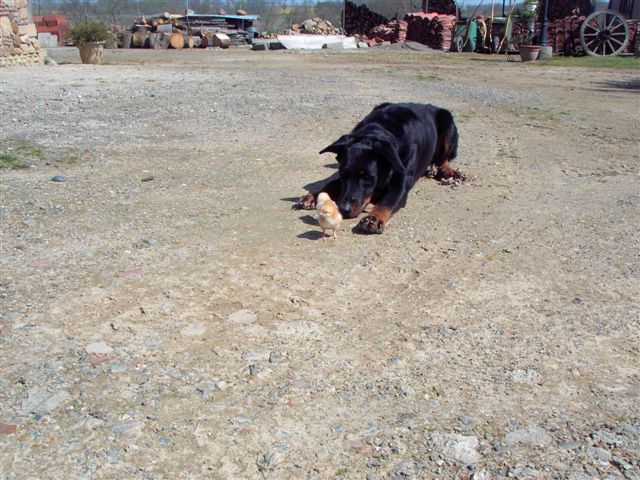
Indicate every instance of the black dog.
{"type": "Point", "coordinates": [383, 157]}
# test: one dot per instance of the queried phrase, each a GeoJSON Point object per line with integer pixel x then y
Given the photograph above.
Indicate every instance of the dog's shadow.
{"type": "Point", "coordinates": [313, 186]}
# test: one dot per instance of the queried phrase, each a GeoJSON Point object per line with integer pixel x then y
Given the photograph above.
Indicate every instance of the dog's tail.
{"type": "Point", "coordinates": [447, 148]}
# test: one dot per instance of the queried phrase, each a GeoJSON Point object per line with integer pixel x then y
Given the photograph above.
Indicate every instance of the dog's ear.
{"type": "Point", "coordinates": [389, 152]}
{"type": "Point", "coordinates": [338, 145]}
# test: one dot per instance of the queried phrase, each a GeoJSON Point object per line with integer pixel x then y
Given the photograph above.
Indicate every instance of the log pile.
{"type": "Point", "coordinates": [359, 20]}
{"type": "Point", "coordinates": [316, 26]}
{"type": "Point", "coordinates": [393, 32]}
{"type": "Point", "coordinates": [432, 29]}
{"type": "Point", "coordinates": [166, 30]}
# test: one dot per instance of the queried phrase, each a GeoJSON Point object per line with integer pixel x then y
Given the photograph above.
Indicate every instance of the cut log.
{"type": "Point", "coordinates": [126, 40]}
{"type": "Point", "coordinates": [221, 40]}
{"type": "Point", "coordinates": [155, 40]}
{"type": "Point", "coordinates": [177, 41]}
{"type": "Point", "coordinates": [197, 42]}
{"type": "Point", "coordinates": [165, 41]}
{"type": "Point", "coordinates": [165, 28]}
{"type": "Point", "coordinates": [140, 39]}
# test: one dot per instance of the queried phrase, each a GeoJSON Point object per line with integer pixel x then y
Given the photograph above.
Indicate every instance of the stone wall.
{"type": "Point", "coordinates": [19, 36]}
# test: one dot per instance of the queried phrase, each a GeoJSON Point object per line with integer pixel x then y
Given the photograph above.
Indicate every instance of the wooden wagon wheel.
{"type": "Point", "coordinates": [604, 33]}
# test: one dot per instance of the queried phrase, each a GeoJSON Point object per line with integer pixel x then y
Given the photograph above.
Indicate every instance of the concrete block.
{"type": "Point", "coordinates": [48, 40]}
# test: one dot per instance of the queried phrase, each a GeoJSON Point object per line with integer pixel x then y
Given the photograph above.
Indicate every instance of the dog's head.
{"type": "Point", "coordinates": [366, 164]}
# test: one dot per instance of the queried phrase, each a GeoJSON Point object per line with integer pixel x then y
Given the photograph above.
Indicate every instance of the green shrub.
{"type": "Point", "coordinates": [82, 33]}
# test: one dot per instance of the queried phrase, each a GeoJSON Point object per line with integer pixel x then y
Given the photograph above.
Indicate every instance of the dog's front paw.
{"type": "Point", "coordinates": [371, 224]}
{"type": "Point", "coordinates": [308, 202]}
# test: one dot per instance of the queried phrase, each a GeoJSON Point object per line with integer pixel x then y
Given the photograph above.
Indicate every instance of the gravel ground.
{"type": "Point", "coordinates": [165, 314]}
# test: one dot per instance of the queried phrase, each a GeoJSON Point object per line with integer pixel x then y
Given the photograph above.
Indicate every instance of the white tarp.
{"type": "Point", "coordinates": [316, 42]}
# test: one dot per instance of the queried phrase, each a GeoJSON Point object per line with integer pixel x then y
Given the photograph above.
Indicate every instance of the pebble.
{"type": "Point", "coordinates": [460, 448]}
{"type": "Point", "coordinates": [531, 436]}
{"type": "Point", "coordinates": [589, 470]}
{"type": "Point", "coordinates": [150, 241]}
{"type": "Point", "coordinates": [599, 454]}
{"type": "Point", "coordinates": [525, 472]}
{"type": "Point", "coordinates": [98, 348]}
{"type": "Point", "coordinates": [608, 438]}
{"type": "Point", "coordinates": [274, 456]}
{"type": "Point", "coordinates": [59, 178]}
{"type": "Point", "coordinates": [242, 317]}
{"type": "Point", "coordinates": [481, 475]}
{"type": "Point", "coordinates": [277, 357]}
{"type": "Point", "coordinates": [404, 469]}
{"type": "Point", "coordinates": [40, 401]}
{"type": "Point", "coordinates": [465, 420]}
{"type": "Point", "coordinates": [131, 429]}
{"type": "Point", "coordinates": [193, 330]}
{"type": "Point", "coordinates": [571, 445]}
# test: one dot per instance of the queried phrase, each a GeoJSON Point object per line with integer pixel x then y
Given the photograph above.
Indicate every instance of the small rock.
{"type": "Point", "coordinates": [98, 348]}
{"type": "Point", "coordinates": [465, 420]}
{"type": "Point", "coordinates": [481, 475]}
{"type": "Point", "coordinates": [599, 454]}
{"type": "Point", "coordinates": [254, 369]}
{"type": "Point", "coordinates": [607, 438]}
{"type": "Point", "coordinates": [589, 470]}
{"type": "Point", "coordinates": [8, 429]}
{"type": "Point", "coordinates": [276, 357]}
{"type": "Point", "coordinates": [129, 429]}
{"type": "Point", "coordinates": [404, 469]}
{"type": "Point", "coordinates": [59, 178]}
{"type": "Point", "coordinates": [193, 330]}
{"type": "Point", "coordinates": [460, 448]}
{"type": "Point", "coordinates": [571, 445]}
{"type": "Point", "coordinates": [531, 436]}
{"type": "Point", "coordinates": [40, 401]}
{"type": "Point", "coordinates": [353, 442]}
{"type": "Point", "coordinates": [522, 473]}
{"type": "Point", "coordinates": [274, 456]}
{"type": "Point", "coordinates": [150, 241]}
{"type": "Point", "coordinates": [242, 317]}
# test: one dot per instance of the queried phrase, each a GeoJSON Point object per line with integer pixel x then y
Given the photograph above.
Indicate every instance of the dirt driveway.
{"type": "Point", "coordinates": [165, 314]}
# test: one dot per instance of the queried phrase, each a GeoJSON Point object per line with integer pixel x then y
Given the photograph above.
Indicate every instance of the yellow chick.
{"type": "Point", "coordinates": [329, 216]}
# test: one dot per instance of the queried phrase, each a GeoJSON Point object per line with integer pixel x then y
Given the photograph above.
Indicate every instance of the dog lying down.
{"type": "Point", "coordinates": [384, 156]}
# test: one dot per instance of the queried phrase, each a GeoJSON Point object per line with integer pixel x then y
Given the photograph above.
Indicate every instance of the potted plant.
{"type": "Point", "coordinates": [528, 52]}
{"type": "Point", "coordinates": [90, 37]}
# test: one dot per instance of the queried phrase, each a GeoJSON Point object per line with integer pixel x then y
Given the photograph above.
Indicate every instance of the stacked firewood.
{"type": "Point", "coordinates": [166, 30]}
{"type": "Point", "coordinates": [442, 7]}
{"type": "Point", "coordinates": [393, 32]}
{"type": "Point", "coordinates": [432, 29]}
{"type": "Point", "coordinates": [359, 20]}
{"type": "Point", "coordinates": [316, 26]}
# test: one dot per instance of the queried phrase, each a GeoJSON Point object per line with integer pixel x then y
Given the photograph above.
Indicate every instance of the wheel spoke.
{"type": "Point", "coordinates": [610, 46]}
{"type": "Point", "coordinates": [613, 29]}
{"type": "Point", "coordinates": [612, 39]}
{"type": "Point", "coordinates": [592, 27]}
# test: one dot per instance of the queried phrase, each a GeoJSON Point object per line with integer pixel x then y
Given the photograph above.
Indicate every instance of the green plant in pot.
{"type": "Point", "coordinates": [90, 37]}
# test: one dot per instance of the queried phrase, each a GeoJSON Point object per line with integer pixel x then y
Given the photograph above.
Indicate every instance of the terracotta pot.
{"type": "Point", "coordinates": [91, 52]}
{"type": "Point", "coordinates": [529, 53]}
